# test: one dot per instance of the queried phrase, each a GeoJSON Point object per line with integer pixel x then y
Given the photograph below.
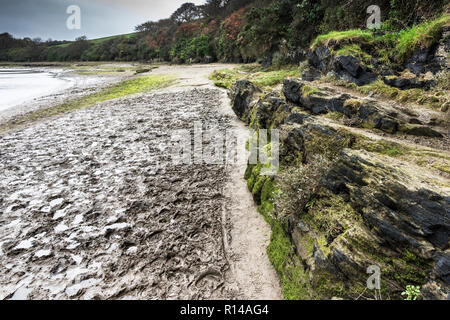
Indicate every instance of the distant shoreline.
{"type": "Point", "coordinates": [80, 85]}
{"type": "Point", "coordinates": [24, 84]}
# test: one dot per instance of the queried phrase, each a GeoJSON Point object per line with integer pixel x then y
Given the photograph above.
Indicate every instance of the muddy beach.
{"type": "Point", "coordinates": [92, 207]}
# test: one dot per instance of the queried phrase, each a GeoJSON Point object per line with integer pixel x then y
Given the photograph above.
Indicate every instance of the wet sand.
{"type": "Point", "coordinates": [91, 205]}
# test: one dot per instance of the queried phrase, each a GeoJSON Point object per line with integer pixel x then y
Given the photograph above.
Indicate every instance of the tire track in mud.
{"type": "Point", "coordinates": [91, 206]}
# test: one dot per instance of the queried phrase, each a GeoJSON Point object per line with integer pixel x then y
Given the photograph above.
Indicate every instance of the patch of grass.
{"type": "Point", "coordinates": [138, 71]}
{"type": "Point", "coordinates": [309, 90]}
{"type": "Point", "coordinates": [272, 78]}
{"type": "Point", "coordinates": [330, 216]}
{"type": "Point", "coordinates": [281, 252]}
{"type": "Point", "coordinates": [348, 36]}
{"type": "Point", "coordinates": [403, 269]}
{"type": "Point", "coordinates": [388, 148]}
{"type": "Point", "coordinates": [443, 168]}
{"type": "Point", "coordinates": [355, 51]}
{"type": "Point", "coordinates": [122, 89]}
{"type": "Point", "coordinates": [100, 72]}
{"type": "Point", "coordinates": [334, 115]}
{"type": "Point", "coordinates": [419, 37]}
{"type": "Point", "coordinates": [432, 154]}
{"type": "Point", "coordinates": [354, 104]}
{"type": "Point", "coordinates": [225, 78]}
{"type": "Point", "coordinates": [390, 48]}
{"type": "Point", "coordinates": [378, 87]}
{"type": "Point", "coordinates": [392, 152]}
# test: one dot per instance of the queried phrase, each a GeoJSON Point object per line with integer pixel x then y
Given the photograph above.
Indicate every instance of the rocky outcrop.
{"type": "Point", "coordinates": [243, 94]}
{"type": "Point", "coordinates": [327, 58]}
{"type": "Point", "coordinates": [346, 68]}
{"type": "Point", "coordinates": [433, 59]}
{"type": "Point", "coordinates": [358, 112]}
{"type": "Point", "coordinates": [368, 211]}
{"type": "Point", "coordinates": [408, 83]}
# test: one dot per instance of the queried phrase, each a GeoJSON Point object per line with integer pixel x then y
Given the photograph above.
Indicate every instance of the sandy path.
{"type": "Point", "coordinates": [91, 205]}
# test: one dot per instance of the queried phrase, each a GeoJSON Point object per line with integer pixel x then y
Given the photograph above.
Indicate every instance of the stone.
{"type": "Point", "coordinates": [408, 83]}
{"type": "Point", "coordinates": [296, 117]}
{"type": "Point", "coordinates": [292, 90]}
{"type": "Point", "coordinates": [415, 121]}
{"type": "Point", "coordinates": [350, 64]}
{"type": "Point", "coordinates": [442, 268]}
{"type": "Point", "coordinates": [386, 125]}
{"type": "Point", "coordinates": [421, 131]}
{"type": "Point", "coordinates": [320, 58]}
{"type": "Point", "coordinates": [242, 94]}
{"type": "Point", "coordinates": [310, 74]}
{"type": "Point", "coordinates": [346, 68]}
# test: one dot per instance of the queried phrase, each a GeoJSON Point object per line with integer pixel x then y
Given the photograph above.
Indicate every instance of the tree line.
{"type": "Point", "coordinates": [224, 30]}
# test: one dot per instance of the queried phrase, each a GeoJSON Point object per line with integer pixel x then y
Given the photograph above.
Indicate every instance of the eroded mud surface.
{"type": "Point", "coordinates": [91, 205]}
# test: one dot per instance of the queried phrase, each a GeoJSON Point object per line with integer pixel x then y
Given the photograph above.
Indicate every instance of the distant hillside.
{"type": "Point", "coordinates": [227, 30]}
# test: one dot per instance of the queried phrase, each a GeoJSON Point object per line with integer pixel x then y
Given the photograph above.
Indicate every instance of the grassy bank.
{"type": "Point", "coordinates": [263, 77]}
{"type": "Point", "coordinates": [396, 47]}
{"type": "Point", "coordinates": [128, 87]}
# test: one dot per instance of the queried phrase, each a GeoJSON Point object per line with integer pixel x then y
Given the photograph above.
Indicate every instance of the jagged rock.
{"type": "Point", "coordinates": [408, 83]}
{"type": "Point", "coordinates": [433, 59]}
{"type": "Point", "coordinates": [368, 211]}
{"type": "Point", "coordinates": [349, 64]}
{"type": "Point", "coordinates": [445, 107]}
{"type": "Point", "coordinates": [432, 291]}
{"type": "Point", "coordinates": [395, 219]}
{"type": "Point", "coordinates": [320, 58]}
{"type": "Point", "coordinates": [316, 101]}
{"type": "Point", "coordinates": [242, 94]}
{"type": "Point", "coordinates": [268, 111]}
{"type": "Point", "coordinates": [310, 74]}
{"type": "Point", "coordinates": [291, 90]}
{"type": "Point", "coordinates": [322, 102]}
{"type": "Point", "coordinates": [296, 140]}
{"type": "Point", "coordinates": [415, 121]}
{"type": "Point", "coordinates": [418, 60]}
{"type": "Point", "coordinates": [350, 69]}
{"type": "Point", "coordinates": [421, 131]}
{"type": "Point", "coordinates": [441, 56]}
{"type": "Point", "coordinates": [347, 68]}
{"type": "Point", "coordinates": [292, 145]}
{"type": "Point", "coordinates": [403, 227]}
{"type": "Point", "coordinates": [442, 268]}
{"type": "Point", "coordinates": [296, 117]}
{"type": "Point", "coordinates": [386, 125]}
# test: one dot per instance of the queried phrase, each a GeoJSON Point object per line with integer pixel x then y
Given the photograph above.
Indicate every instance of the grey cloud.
{"type": "Point", "coordinates": [100, 18]}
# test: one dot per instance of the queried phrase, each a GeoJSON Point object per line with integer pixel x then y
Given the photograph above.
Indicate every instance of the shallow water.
{"type": "Point", "coordinates": [21, 85]}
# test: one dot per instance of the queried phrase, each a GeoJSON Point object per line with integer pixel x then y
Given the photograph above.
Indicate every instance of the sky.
{"type": "Point", "coordinates": [99, 18]}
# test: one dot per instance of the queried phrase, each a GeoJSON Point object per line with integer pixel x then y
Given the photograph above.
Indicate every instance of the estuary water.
{"type": "Point", "coordinates": [17, 86]}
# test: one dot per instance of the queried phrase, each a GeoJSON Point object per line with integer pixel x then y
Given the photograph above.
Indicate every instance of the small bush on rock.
{"type": "Point", "coordinates": [298, 184]}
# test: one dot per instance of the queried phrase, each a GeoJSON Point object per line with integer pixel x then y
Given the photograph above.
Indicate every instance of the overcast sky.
{"type": "Point", "coordinates": [99, 18]}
